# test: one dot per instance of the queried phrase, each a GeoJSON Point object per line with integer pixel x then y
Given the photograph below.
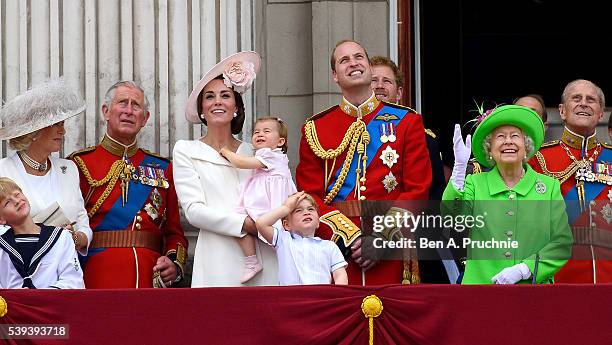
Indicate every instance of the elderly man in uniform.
{"type": "Point", "coordinates": [129, 194]}
{"type": "Point", "coordinates": [362, 149]}
{"type": "Point", "coordinates": [582, 164]}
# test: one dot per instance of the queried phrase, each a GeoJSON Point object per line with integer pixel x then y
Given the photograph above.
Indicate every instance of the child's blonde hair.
{"type": "Point", "coordinates": [7, 186]}
{"type": "Point", "coordinates": [282, 128]}
{"type": "Point", "coordinates": [309, 198]}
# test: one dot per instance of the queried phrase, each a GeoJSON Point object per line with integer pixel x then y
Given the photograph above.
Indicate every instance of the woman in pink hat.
{"type": "Point", "coordinates": [208, 186]}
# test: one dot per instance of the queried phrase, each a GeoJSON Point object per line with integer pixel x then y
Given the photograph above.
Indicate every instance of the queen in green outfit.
{"type": "Point", "coordinates": [525, 230]}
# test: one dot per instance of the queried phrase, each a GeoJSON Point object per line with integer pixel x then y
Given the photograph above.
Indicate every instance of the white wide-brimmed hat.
{"type": "Point", "coordinates": [41, 106]}
{"type": "Point", "coordinates": [238, 70]}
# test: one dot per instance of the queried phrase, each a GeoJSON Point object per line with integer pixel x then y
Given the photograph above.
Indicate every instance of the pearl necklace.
{"type": "Point", "coordinates": [29, 161]}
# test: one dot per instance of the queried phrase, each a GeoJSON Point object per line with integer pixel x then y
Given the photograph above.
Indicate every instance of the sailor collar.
{"type": "Point", "coordinates": [577, 141]}
{"type": "Point", "coordinates": [118, 149]}
{"type": "Point", "coordinates": [363, 109]}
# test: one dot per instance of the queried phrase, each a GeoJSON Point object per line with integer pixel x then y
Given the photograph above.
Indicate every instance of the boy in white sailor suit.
{"type": "Point", "coordinates": [33, 255]}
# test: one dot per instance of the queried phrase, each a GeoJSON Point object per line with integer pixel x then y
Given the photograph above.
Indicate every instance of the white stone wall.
{"type": "Point", "coordinates": [165, 45]}
{"type": "Point", "coordinates": [296, 38]}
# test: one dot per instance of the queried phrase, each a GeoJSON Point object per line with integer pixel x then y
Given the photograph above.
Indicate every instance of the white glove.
{"type": "Point", "coordinates": [512, 275]}
{"type": "Point", "coordinates": [462, 153]}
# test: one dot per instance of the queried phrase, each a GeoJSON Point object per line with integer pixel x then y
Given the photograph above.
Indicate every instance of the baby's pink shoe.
{"type": "Point", "coordinates": [252, 266]}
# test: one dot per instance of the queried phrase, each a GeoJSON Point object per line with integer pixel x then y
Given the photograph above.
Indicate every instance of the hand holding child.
{"type": "Point", "coordinates": [223, 151]}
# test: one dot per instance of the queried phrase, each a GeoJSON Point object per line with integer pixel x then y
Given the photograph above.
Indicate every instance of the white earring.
{"type": "Point", "coordinates": [235, 114]}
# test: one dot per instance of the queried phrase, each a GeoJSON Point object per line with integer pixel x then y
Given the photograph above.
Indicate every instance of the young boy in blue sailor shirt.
{"type": "Point", "coordinates": [302, 257]}
{"type": "Point", "coordinates": [33, 255]}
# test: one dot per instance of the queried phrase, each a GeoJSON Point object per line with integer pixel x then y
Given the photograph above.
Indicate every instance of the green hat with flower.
{"type": "Point", "coordinates": [514, 115]}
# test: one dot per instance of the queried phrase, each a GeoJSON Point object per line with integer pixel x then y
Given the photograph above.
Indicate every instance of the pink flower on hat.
{"type": "Point", "coordinates": [239, 75]}
{"type": "Point", "coordinates": [483, 116]}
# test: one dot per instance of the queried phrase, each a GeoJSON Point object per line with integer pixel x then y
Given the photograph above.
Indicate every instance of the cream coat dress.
{"type": "Point", "coordinates": [208, 188]}
{"type": "Point", "coordinates": [65, 183]}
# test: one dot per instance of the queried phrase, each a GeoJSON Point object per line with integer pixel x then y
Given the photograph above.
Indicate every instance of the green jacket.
{"type": "Point", "coordinates": [531, 213]}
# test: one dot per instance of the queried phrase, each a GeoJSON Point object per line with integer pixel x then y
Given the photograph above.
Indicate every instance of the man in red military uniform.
{"type": "Point", "coordinates": [362, 149]}
{"type": "Point", "coordinates": [129, 195]}
{"type": "Point", "coordinates": [581, 163]}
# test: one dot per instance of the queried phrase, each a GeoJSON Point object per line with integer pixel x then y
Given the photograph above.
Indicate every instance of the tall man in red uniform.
{"type": "Point", "coordinates": [129, 194]}
{"type": "Point", "coordinates": [362, 149]}
{"type": "Point", "coordinates": [582, 164]}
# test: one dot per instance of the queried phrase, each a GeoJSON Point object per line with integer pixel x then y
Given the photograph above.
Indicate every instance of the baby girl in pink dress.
{"type": "Point", "coordinates": [269, 186]}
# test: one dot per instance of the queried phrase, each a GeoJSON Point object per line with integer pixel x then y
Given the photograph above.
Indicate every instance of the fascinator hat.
{"type": "Point", "coordinates": [238, 70]}
{"type": "Point", "coordinates": [514, 115]}
{"type": "Point", "coordinates": [41, 106]}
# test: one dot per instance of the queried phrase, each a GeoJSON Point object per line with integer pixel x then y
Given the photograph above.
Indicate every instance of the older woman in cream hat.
{"type": "Point", "coordinates": [208, 186]}
{"type": "Point", "coordinates": [33, 124]}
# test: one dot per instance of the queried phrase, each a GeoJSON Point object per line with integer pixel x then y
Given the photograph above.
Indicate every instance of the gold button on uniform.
{"type": "Point", "coordinates": [508, 255]}
{"type": "Point", "coordinates": [509, 233]}
{"type": "Point", "coordinates": [511, 196]}
{"type": "Point", "coordinates": [510, 213]}
{"type": "Point", "coordinates": [138, 218]}
{"type": "Point", "coordinates": [137, 226]}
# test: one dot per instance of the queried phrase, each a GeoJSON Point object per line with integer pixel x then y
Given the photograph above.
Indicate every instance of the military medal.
{"type": "Point", "coordinates": [390, 182]}
{"type": "Point", "coordinates": [156, 198]}
{"type": "Point", "coordinates": [391, 132]}
{"type": "Point", "coordinates": [386, 117]}
{"type": "Point", "coordinates": [606, 212]}
{"type": "Point", "coordinates": [161, 179]}
{"type": "Point", "coordinates": [389, 156]}
{"type": "Point", "coordinates": [383, 133]}
{"type": "Point", "coordinates": [151, 211]}
{"type": "Point", "coordinates": [540, 187]}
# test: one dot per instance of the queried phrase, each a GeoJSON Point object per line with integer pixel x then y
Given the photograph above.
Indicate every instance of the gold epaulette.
{"type": "Point", "coordinates": [319, 114]}
{"type": "Point", "coordinates": [82, 151]}
{"type": "Point", "coordinates": [430, 133]}
{"type": "Point", "coordinates": [395, 105]}
{"type": "Point", "coordinates": [606, 145]}
{"type": "Point", "coordinates": [550, 143]}
{"type": "Point", "coordinates": [477, 168]}
{"type": "Point", "coordinates": [156, 155]}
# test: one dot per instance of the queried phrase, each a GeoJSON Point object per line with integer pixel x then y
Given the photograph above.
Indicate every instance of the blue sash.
{"type": "Point", "coordinates": [591, 190]}
{"type": "Point", "coordinates": [119, 216]}
{"type": "Point", "coordinates": [373, 147]}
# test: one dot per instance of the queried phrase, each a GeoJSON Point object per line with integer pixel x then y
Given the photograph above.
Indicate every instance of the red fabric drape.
{"type": "Point", "coordinates": [320, 315]}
